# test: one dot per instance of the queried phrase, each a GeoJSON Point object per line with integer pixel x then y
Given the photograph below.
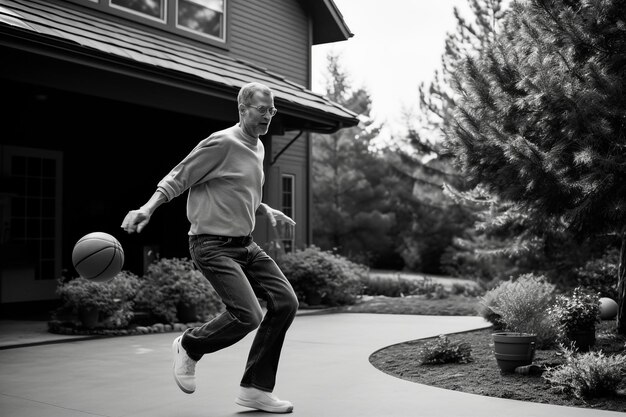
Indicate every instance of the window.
{"type": "Point", "coordinates": [199, 19]}
{"type": "Point", "coordinates": [285, 231]}
{"type": "Point", "coordinates": [154, 9]}
{"type": "Point", "coordinates": [34, 214]}
{"type": "Point", "coordinates": [202, 16]}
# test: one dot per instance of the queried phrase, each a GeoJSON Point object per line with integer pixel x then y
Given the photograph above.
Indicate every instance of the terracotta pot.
{"type": "Point", "coordinates": [513, 349]}
{"type": "Point", "coordinates": [583, 340]}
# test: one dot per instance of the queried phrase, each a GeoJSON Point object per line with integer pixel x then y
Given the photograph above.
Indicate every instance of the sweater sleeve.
{"type": "Point", "coordinates": [201, 164]}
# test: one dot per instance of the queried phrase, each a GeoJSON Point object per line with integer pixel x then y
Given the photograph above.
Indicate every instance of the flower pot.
{"type": "Point", "coordinates": [88, 316]}
{"type": "Point", "coordinates": [513, 349]}
{"type": "Point", "coordinates": [584, 339]}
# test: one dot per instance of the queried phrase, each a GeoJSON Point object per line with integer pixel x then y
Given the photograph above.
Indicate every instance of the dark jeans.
{"type": "Point", "coordinates": [242, 273]}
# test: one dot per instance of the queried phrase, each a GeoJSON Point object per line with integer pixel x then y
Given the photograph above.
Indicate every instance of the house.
{"type": "Point", "coordinates": [102, 97]}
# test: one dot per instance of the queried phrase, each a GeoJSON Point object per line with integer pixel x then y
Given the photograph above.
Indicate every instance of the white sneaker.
{"type": "Point", "coordinates": [262, 400]}
{"type": "Point", "coordinates": [184, 368]}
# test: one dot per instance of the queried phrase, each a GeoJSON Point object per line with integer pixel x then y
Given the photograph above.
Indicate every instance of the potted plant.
{"type": "Point", "coordinates": [174, 291]}
{"type": "Point", "coordinates": [100, 304]}
{"type": "Point", "coordinates": [576, 315]}
{"type": "Point", "coordinates": [520, 306]}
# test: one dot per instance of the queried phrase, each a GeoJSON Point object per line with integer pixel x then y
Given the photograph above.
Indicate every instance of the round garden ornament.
{"type": "Point", "coordinates": [608, 308]}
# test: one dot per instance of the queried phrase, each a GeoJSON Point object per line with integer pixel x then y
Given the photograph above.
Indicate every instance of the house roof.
{"type": "Point", "coordinates": [328, 23]}
{"type": "Point", "coordinates": [48, 25]}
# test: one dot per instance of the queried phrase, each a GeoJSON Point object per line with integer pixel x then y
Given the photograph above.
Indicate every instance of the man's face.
{"type": "Point", "coordinates": [256, 116]}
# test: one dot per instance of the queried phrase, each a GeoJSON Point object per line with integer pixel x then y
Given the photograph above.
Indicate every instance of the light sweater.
{"type": "Point", "coordinates": [224, 175]}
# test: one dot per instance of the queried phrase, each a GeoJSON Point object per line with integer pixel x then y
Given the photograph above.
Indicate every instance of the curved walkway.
{"type": "Point", "coordinates": [324, 371]}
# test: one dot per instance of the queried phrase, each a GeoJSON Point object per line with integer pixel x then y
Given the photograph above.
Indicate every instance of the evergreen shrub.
{"type": "Point", "coordinates": [113, 299]}
{"type": "Point", "coordinates": [520, 305]}
{"type": "Point", "coordinates": [337, 280]}
{"type": "Point", "coordinates": [171, 283]}
{"type": "Point", "coordinates": [586, 375]}
{"type": "Point", "coordinates": [576, 311]}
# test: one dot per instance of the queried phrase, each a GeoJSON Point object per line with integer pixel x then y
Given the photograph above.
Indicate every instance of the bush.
{"type": "Point", "coordinates": [388, 286]}
{"type": "Point", "coordinates": [591, 374]}
{"type": "Point", "coordinates": [430, 289]}
{"type": "Point", "coordinates": [521, 307]}
{"type": "Point", "coordinates": [442, 350]}
{"type": "Point", "coordinates": [112, 299]}
{"type": "Point", "coordinates": [335, 279]}
{"type": "Point", "coordinates": [489, 300]}
{"type": "Point", "coordinates": [577, 311]}
{"type": "Point", "coordinates": [466, 290]}
{"type": "Point", "coordinates": [171, 283]}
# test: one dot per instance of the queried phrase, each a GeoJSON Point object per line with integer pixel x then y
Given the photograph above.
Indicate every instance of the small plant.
{"type": "Point", "coordinates": [590, 374]}
{"type": "Point", "coordinates": [442, 350]}
{"type": "Point", "coordinates": [112, 299]}
{"type": "Point", "coordinates": [576, 312]}
{"type": "Point", "coordinates": [521, 304]}
{"type": "Point", "coordinates": [171, 283]}
{"type": "Point", "coordinates": [335, 279]}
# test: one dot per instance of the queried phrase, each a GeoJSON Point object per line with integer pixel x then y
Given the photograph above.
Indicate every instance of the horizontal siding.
{"type": "Point", "coordinates": [273, 34]}
{"type": "Point", "coordinates": [293, 162]}
{"type": "Point", "coordinates": [294, 155]}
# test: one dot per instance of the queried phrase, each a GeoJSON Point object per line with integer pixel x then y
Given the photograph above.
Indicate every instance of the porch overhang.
{"type": "Point", "coordinates": [64, 38]}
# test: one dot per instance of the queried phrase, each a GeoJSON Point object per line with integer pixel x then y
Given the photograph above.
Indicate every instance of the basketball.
{"type": "Point", "coordinates": [98, 256]}
{"type": "Point", "coordinates": [608, 308]}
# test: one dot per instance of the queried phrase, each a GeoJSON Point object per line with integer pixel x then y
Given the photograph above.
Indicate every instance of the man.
{"type": "Point", "coordinates": [224, 176]}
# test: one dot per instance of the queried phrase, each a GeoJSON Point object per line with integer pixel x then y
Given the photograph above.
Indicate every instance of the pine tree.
{"type": "Point", "coordinates": [540, 117]}
{"type": "Point", "coordinates": [351, 212]}
{"type": "Point", "coordinates": [433, 219]}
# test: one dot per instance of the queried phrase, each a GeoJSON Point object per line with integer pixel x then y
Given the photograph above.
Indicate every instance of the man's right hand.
{"type": "Point", "coordinates": [136, 220]}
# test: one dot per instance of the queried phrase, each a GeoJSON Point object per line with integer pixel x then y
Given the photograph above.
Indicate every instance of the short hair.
{"type": "Point", "coordinates": [248, 90]}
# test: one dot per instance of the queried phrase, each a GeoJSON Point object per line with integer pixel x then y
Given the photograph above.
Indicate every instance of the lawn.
{"type": "Point", "coordinates": [481, 376]}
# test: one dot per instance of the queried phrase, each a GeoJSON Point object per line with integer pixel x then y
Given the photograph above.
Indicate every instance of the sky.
{"type": "Point", "coordinates": [397, 45]}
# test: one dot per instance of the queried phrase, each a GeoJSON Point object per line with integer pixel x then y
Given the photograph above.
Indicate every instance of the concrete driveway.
{"type": "Point", "coordinates": [324, 371]}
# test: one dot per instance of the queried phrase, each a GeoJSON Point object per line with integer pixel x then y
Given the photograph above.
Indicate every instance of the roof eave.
{"type": "Point", "coordinates": [328, 23]}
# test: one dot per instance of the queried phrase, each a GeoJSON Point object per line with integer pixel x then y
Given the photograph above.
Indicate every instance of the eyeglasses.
{"type": "Point", "coordinates": [264, 110]}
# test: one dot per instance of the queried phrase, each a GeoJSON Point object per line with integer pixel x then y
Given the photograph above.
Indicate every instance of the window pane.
{"type": "Point", "coordinates": [18, 229]}
{"type": "Point", "coordinates": [18, 165]}
{"type": "Point", "coordinates": [217, 5]}
{"type": "Point", "coordinates": [47, 229]}
{"type": "Point", "coordinates": [49, 168]}
{"type": "Point", "coordinates": [18, 207]}
{"type": "Point", "coordinates": [204, 16]}
{"type": "Point", "coordinates": [153, 8]}
{"type": "Point", "coordinates": [33, 207]}
{"type": "Point", "coordinates": [47, 207]}
{"type": "Point", "coordinates": [33, 186]}
{"type": "Point", "coordinates": [33, 229]}
{"type": "Point", "coordinates": [49, 187]}
{"type": "Point", "coordinates": [33, 167]}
